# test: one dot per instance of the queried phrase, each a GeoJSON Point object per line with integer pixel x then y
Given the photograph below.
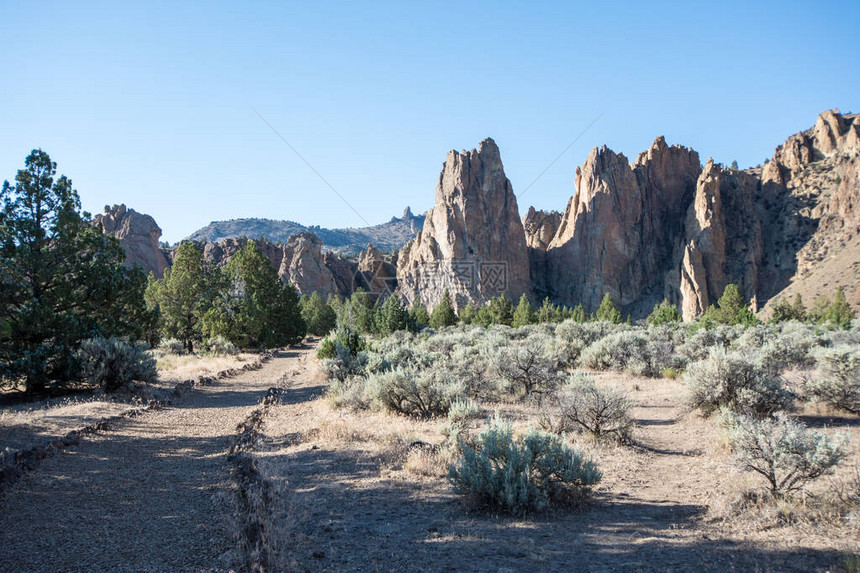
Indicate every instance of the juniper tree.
{"type": "Point", "coordinates": [184, 294]}
{"type": "Point", "coordinates": [418, 314]}
{"type": "Point", "coordinates": [607, 311]}
{"type": "Point", "coordinates": [501, 310]}
{"type": "Point", "coordinates": [61, 279]}
{"type": "Point", "coordinates": [443, 315]}
{"type": "Point", "coordinates": [523, 314]}
{"type": "Point", "coordinates": [318, 315]}
{"type": "Point", "coordinates": [255, 308]}
{"type": "Point", "coordinates": [664, 313]}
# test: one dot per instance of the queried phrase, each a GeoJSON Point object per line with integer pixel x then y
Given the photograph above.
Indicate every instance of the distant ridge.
{"type": "Point", "coordinates": [390, 236]}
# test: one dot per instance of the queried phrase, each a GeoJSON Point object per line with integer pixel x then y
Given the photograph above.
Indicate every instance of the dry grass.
{"type": "Point", "coordinates": [173, 368]}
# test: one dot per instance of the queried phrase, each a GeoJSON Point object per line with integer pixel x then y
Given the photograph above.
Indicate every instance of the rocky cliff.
{"type": "Point", "coordinates": [138, 234]}
{"type": "Point", "coordinates": [473, 243]}
{"type": "Point", "coordinates": [540, 228]}
{"type": "Point", "coordinates": [619, 230]}
{"type": "Point", "coordinates": [300, 261]}
{"type": "Point", "coordinates": [664, 226]}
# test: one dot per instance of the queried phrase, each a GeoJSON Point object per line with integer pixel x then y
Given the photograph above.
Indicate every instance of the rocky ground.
{"type": "Point", "coordinates": [345, 492]}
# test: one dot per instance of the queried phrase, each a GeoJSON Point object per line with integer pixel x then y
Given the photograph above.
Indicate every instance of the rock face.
{"type": "Point", "coordinates": [299, 261]}
{"type": "Point", "coordinates": [473, 243]}
{"type": "Point", "coordinates": [138, 234]}
{"type": "Point", "coordinates": [377, 274]}
{"type": "Point", "coordinates": [540, 228]}
{"type": "Point", "coordinates": [620, 229]}
{"type": "Point", "coordinates": [303, 265]}
{"type": "Point", "coordinates": [666, 227]}
{"type": "Point", "coordinates": [811, 211]}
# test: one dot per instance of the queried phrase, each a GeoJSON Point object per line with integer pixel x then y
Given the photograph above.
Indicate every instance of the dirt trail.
{"type": "Point", "coordinates": [149, 495]}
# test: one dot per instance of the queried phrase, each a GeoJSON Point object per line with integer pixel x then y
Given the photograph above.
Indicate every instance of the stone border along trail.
{"type": "Point", "coordinates": [151, 492]}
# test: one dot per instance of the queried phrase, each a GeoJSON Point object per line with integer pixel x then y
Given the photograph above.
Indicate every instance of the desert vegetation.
{"type": "Point", "coordinates": [536, 417]}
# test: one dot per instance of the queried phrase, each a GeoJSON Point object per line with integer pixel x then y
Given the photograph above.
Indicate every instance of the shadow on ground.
{"type": "Point", "coordinates": [349, 520]}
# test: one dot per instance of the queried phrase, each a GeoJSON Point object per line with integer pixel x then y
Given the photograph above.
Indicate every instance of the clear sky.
{"type": "Point", "coordinates": [153, 104]}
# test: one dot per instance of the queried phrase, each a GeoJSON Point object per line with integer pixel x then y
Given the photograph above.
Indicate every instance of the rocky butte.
{"type": "Point", "coordinates": [662, 226]}
{"type": "Point", "coordinates": [473, 244]}
{"type": "Point", "coordinates": [138, 234]}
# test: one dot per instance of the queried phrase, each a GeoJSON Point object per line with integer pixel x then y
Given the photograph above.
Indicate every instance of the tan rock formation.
{"type": "Point", "coordinates": [472, 243]}
{"type": "Point", "coordinates": [377, 274]}
{"type": "Point", "coordinates": [540, 228]}
{"type": "Point", "coordinates": [138, 234]}
{"type": "Point", "coordinates": [620, 229]}
{"type": "Point", "coordinates": [300, 261]}
{"type": "Point", "coordinates": [702, 278]}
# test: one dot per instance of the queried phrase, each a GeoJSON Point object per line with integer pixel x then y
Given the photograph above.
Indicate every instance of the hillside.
{"type": "Point", "coordinates": [390, 236]}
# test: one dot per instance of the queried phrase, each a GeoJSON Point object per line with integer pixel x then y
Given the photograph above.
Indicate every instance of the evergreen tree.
{"type": "Point", "coordinates": [523, 314]}
{"type": "Point", "coordinates": [318, 315]}
{"type": "Point", "coordinates": [501, 310]}
{"type": "Point", "coordinates": [443, 315]}
{"type": "Point", "coordinates": [548, 312]}
{"type": "Point", "coordinates": [577, 313]}
{"type": "Point", "coordinates": [483, 317]}
{"type": "Point", "coordinates": [734, 166]}
{"type": "Point", "coordinates": [391, 316]}
{"type": "Point", "coordinates": [783, 311]}
{"type": "Point", "coordinates": [798, 308]}
{"type": "Point", "coordinates": [418, 314]}
{"type": "Point", "coordinates": [731, 304]}
{"type": "Point", "coordinates": [256, 309]}
{"type": "Point", "coordinates": [358, 312]}
{"type": "Point", "coordinates": [61, 279]}
{"type": "Point", "coordinates": [184, 295]}
{"type": "Point", "coordinates": [467, 315]}
{"type": "Point", "coordinates": [840, 313]}
{"type": "Point", "coordinates": [731, 309]}
{"type": "Point", "coordinates": [664, 313]}
{"type": "Point", "coordinates": [818, 313]}
{"type": "Point", "coordinates": [607, 311]}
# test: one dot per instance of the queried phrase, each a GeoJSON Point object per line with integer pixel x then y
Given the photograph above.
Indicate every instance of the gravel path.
{"type": "Point", "coordinates": [152, 494]}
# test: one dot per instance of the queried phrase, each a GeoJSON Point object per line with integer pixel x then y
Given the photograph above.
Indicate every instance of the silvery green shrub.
{"type": "Point", "coordinates": [474, 366]}
{"type": "Point", "coordinates": [350, 393]}
{"type": "Point", "coordinates": [220, 346]}
{"type": "Point", "coordinates": [839, 381]}
{"type": "Point", "coordinates": [700, 344]}
{"type": "Point", "coordinates": [462, 410]}
{"type": "Point", "coordinates": [627, 351]}
{"type": "Point", "coordinates": [521, 474]}
{"type": "Point", "coordinates": [580, 405]}
{"type": "Point", "coordinates": [344, 364]}
{"type": "Point", "coordinates": [172, 346]}
{"type": "Point", "coordinates": [526, 368]}
{"type": "Point", "coordinates": [112, 362]}
{"type": "Point", "coordinates": [733, 381]}
{"type": "Point", "coordinates": [420, 393]}
{"type": "Point", "coordinates": [783, 451]}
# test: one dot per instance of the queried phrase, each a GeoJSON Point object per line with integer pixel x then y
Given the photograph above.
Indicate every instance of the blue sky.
{"type": "Point", "coordinates": [153, 104]}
